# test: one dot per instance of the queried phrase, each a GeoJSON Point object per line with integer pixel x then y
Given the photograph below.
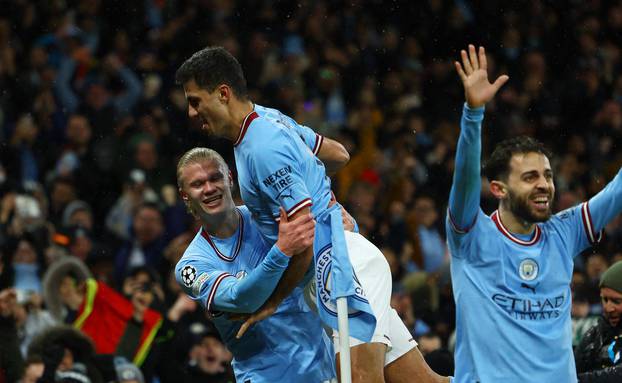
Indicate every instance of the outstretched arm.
{"type": "Point", "coordinates": [298, 267]}
{"type": "Point", "coordinates": [465, 189]}
{"type": "Point", "coordinates": [221, 291]}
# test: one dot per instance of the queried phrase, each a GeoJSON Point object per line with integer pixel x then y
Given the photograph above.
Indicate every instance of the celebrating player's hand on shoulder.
{"type": "Point", "coordinates": [296, 235]}
{"type": "Point", "coordinates": [473, 73]}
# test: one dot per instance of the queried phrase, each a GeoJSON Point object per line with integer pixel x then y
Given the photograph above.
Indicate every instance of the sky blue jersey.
{"type": "Point", "coordinates": [238, 274]}
{"type": "Point", "coordinates": [277, 168]}
{"type": "Point", "coordinates": [512, 291]}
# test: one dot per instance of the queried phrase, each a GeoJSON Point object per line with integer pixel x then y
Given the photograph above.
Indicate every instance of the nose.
{"type": "Point", "coordinates": [208, 188]}
{"type": "Point", "coordinates": [543, 183]}
{"type": "Point", "coordinates": [192, 112]}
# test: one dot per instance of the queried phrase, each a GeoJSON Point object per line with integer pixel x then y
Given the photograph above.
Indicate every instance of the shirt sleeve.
{"type": "Point", "coordinates": [311, 139]}
{"type": "Point", "coordinates": [218, 290]}
{"type": "Point", "coordinates": [464, 195]}
{"type": "Point", "coordinates": [280, 177]}
{"type": "Point", "coordinates": [603, 207]}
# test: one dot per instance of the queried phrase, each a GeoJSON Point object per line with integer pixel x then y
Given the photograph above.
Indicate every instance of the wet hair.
{"type": "Point", "coordinates": [199, 155]}
{"type": "Point", "coordinates": [211, 67]}
{"type": "Point", "coordinates": [497, 167]}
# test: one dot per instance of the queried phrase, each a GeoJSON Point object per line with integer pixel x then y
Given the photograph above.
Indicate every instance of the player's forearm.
{"type": "Point", "coordinates": [298, 266]}
{"type": "Point", "coordinates": [605, 205]}
{"type": "Point", "coordinates": [465, 190]}
{"type": "Point", "coordinates": [333, 155]}
{"type": "Point", "coordinates": [248, 294]}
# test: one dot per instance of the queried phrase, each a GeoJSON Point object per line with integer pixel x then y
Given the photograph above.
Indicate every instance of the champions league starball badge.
{"type": "Point", "coordinates": [188, 275]}
{"type": "Point", "coordinates": [528, 269]}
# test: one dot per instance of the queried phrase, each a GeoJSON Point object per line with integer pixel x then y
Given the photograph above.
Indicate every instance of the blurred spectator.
{"type": "Point", "coordinates": [146, 244]}
{"type": "Point", "coordinates": [11, 361]}
{"type": "Point", "coordinates": [208, 359]}
{"type": "Point", "coordinates": [432, 246]}
{"type": "Point", "coordinates": [582, 321]}
{"type": "Point", "coordinates": [599, 354]}
{"type": "Point", "coordinates": [136, 191]}
{"type": "Point", "coordinates": [33, 369]}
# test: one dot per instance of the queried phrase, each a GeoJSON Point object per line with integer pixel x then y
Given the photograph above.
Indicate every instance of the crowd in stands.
{"type": "Point", "coordinates": [92, 124]}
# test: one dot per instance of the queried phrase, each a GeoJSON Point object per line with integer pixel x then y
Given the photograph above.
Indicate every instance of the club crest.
{"type": "Point", "coordinates": [528, 269]}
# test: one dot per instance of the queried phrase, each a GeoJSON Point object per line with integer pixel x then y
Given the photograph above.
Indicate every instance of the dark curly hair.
{"type": "Point", "coordinates": [498, 165]}
{"type": "Point", "coordinates": [211, 67]}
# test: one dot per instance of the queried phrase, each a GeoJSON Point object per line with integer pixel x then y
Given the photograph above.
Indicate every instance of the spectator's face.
{"type": "Point", "coordinates": [596, 266]}
{"type": "Point", "coordinates": [82, 218]}
{"type": "Point", "coordinates": [97, 96]}
{"type": "Point", "coordinates": [426, 211]}
{"type": "Point", "coordinates": [530, 188]}
{"type": "Point", "coordinates": [612, 305]}
{"type": "Point", "coordinates": [81, 246]}
{"type": "Point", "coordinates": [147, 225]}
{"type": "Point", "coordinates": [146, 155]}
{"type": "Point", "coordinates": [79, 130]}
{"type": "Point", "coordinates": [24, 253]}
{"type": "Point", "coordinates": [62, 194]}
{"type": "Point", "coordinates": [210, 108]}
{"type": "Point", "coordinates": [210, 355]}
{"type": "Point", "coordinates": [207, 188]}
{"type": "Point", "coordinates": [33, 372]}
{"type": "Point", "coordinates": [67, 362]}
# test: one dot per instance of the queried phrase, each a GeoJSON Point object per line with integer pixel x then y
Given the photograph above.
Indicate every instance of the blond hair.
{"type": "Point", "coordinates": [197, 156]}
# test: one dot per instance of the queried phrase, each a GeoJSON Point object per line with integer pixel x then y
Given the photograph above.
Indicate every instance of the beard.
{"type": "Point", "coordinates": [519, 206]}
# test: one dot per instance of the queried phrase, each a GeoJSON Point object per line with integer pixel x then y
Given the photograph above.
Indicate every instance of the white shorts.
{"type": "Point", "coordinates": [374, 275]}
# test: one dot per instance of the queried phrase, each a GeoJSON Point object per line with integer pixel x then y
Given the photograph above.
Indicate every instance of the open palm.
{"type": "Point", "coordinates": [473, 73]}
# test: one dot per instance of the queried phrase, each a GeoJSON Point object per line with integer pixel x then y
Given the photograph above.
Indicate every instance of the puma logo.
{"type": "Point", "coordinates": [526, 286]}
{"type": "Point", "coordinates": [287, 194]}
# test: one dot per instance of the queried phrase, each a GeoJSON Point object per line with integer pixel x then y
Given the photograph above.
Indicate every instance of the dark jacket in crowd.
{"type": "Point", "coordinates": [599, 355]}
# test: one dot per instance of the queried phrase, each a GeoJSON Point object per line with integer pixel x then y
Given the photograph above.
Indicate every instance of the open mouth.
{"type": "Point", "coordinates": [212, 201]}
{"type": "Point", "coordinates": [614, 320]}
{"type": "Point", "coordinates": [541, 202]}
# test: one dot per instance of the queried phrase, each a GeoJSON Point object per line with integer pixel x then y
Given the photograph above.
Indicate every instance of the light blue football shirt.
{"type": "Point", "coordinates": [238, 274]}
{"type": "Point", "coordinates": [277, 168]}
{"type": "Point", "coordinates": [512, 291]}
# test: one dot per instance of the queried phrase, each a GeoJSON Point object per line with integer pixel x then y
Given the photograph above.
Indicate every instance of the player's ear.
{"type": "Point", "coordinates": [499, 189]}
{"type": "Point", "coordinates": [224, 93]}
{"type": "Point", "coordinates": [230, 179]}
{"type": "Point", "coordinates": [183, 195]}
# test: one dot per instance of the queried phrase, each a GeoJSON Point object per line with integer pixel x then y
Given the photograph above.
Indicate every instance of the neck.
{"type": "Point", "coordinates": [222, 226]}
{"type": "Point", "coordinates": [239, 110]}
{"type": "Point", "coordinates": [513, 223]}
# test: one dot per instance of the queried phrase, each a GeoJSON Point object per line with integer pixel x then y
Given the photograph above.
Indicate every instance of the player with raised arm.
{"type": "Point", "coordinates": [511, 270]}
{"type": "Point", "coordinates": [277, 169]}
{"type": "Point", "coordinates": [229, 268]}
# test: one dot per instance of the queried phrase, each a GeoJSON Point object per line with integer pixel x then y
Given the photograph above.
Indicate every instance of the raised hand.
{"type": "Point", "coordinates": [473, 73]}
